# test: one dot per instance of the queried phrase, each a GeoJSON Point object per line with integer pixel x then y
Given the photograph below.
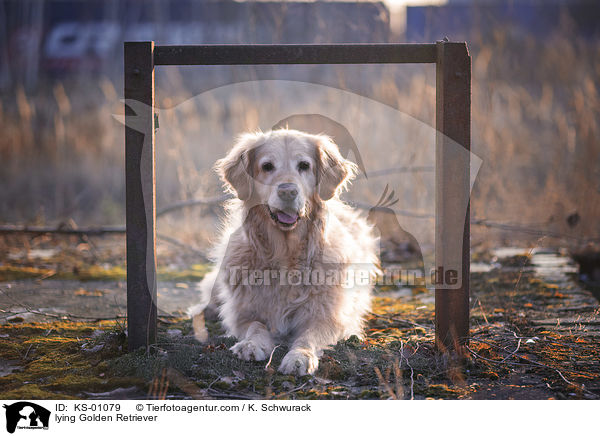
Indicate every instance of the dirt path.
{"type": "Point", "coordinates": [85, 299]}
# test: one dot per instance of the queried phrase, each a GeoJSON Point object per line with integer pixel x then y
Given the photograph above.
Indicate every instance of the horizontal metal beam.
{"type": "Point", "coordinates": [294, 54]}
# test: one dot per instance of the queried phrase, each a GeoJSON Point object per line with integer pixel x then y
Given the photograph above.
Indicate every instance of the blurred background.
{"type": "Point", "coordinates": [535, 108]}
{"type": "Point", "coordinates": [535, 203]}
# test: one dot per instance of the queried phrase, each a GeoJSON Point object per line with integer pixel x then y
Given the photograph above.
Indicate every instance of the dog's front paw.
{"type": "Point", "coordinates": [299, 361]}
{"type": "Point", "coordinates": [250, 350]}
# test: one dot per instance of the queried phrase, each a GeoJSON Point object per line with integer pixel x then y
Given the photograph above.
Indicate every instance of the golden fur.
{"type": "Point", "coordinates": [327, 237]}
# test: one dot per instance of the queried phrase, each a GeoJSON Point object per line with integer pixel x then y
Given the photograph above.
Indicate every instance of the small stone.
{"type": "Point", "coordinates": [94, 349]}
{"type": "Point", "coordinates": [174, 333]}
{"type": "Point", "coordinates": [97, 333]}
{"type": "Point", "coordinates": [15, 319]}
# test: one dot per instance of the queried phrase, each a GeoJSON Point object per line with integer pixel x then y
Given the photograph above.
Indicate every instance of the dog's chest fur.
{"type": "Point", "coordinates": [279, 294]}
{"type": "Point", "coordinates": [336, 241]}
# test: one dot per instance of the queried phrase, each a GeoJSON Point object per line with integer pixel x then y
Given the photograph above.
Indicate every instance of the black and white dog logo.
{"type": "Point", "coordinates": [26, 415]}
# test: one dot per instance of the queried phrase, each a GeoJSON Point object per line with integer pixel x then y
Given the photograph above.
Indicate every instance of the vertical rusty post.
{"type": "Point", "coordinates": [452, 226]}
{"type": "Point", "coordinates": [140, 194]}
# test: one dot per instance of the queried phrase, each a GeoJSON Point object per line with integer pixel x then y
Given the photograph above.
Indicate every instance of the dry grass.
{"type": "Point", "coordinates": [536, 112]}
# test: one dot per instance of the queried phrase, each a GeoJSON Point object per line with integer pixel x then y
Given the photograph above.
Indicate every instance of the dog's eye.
{"type": "Point", "coordinates": [267, 167]}
{"type": "Point", "coordinates": [303, 166]}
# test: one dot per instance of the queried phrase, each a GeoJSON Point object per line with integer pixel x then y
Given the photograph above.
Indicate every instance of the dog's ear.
{"type": "Point", "coordinates": [333, 170]}
{"type": "Point", "coordinates": [235, 169]}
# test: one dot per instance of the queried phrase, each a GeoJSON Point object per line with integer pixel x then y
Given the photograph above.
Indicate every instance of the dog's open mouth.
{"type": "Point", "coordinates": [284, 219]}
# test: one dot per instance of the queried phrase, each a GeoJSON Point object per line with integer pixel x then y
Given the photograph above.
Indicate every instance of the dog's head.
{"type": "Point", "coordinates": [286, 172]}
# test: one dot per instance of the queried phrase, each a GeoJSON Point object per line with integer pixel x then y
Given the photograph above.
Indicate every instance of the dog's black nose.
{"type": "Point", "coordinates": [287, 191]}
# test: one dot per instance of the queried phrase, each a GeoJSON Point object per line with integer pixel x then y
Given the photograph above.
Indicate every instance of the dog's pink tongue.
{"type": "Point", "coordinates": [287, 219]}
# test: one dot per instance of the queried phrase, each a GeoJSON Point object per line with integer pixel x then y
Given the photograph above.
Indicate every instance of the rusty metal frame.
{"type": "Point", "coordinates": [453, 123]}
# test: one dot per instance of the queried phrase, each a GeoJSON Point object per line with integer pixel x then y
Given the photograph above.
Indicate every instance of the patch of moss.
{"type": "Point", "coordinates": [33, 391]}
{"type": "Point", "coordinates": [367, 394]}
{"type": "Point", "coordinates": [55, 363]}
{"type": "Point", "coordinates": [194, 273]}
{"type": "Point", "coordinates": [441, 391]}
{"type": "Point", "coordinates": [63, 359]}
{"type": "Point", "coordinates": [98, 273]}
{"type": "Point", "coordinates": [9, 273]}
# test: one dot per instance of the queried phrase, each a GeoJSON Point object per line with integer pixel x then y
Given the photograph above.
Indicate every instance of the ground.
{"type": "Point", "coordinates": [534, 334]}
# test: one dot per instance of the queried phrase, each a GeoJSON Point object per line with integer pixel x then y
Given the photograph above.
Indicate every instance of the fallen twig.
{"type": "Point", "coordinates": [525, 261]}
{"type": "Point", "coordinates": [271, 357]}
{"type": "Point", "coordinates": [412, 381]}
{"type": "Point", "coordinates": [533, 363]}
{"type": "Point", "coordinates": [514, 352]}
{"type": "Point", "coordinates": [291, 391]}
{"type": "Point", "coordinates": [400, 320]}
{"type": "Point", "coordinates": [482, 312]}
{"type": "Point", "coordinates": [385, 384]}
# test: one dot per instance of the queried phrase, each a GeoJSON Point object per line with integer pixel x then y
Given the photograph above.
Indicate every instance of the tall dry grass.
{"type": "Point", "coordinates": [535, 120]}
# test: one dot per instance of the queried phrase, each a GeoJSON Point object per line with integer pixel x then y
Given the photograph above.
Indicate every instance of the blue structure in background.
{"type": "Point", "coordinates": [459, 21]}
{"type": "Point", "coordinates": [41, 38]}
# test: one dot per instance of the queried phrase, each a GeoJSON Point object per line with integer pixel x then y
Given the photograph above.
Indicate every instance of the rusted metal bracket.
{"type": "Point", "coordinates": [452, 211]}
{"type": "Point", "coordinates": [140, 194]}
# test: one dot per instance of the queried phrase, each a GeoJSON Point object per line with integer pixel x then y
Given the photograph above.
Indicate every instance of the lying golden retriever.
{"type": "Point", "coordinates": [294, 263]}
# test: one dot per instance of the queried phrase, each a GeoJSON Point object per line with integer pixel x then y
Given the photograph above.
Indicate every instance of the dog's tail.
{"type": "Point", "coordinates": [196, 312]}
